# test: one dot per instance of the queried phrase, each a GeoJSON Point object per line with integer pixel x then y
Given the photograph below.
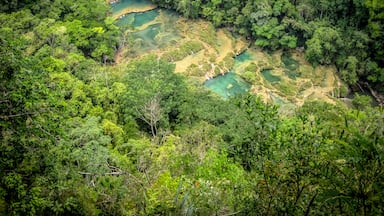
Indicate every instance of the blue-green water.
{"type": "Point", "coordinates": [124, 4]}
{"type": "Point", "coordinates": [227, 85]}
{"type": "Point", "coordinates": [126, 21]}
{"type": "Point", "coordinates": [143, 18]}
{"type": "Point", "coordinates": [244, 57]}
{"type": "Point", "coordinates": [159, 34]}
{"type": "Point", "coordinates": [165, 33]}
{"type": "Point", "coordinates": [242, 61]}
{"type": "Point", "coordinates": [230, 83]}
{"type": "Point", "coordinates": [148, 37]}
{"type": "Point", "coordinates": [156, 36]}
{"type": "Point", "coordinates": [138, 19]}
{"type": "Point", "coordinates": [267, 74]}
{"type": "Point", "coordinates": [291, 66]}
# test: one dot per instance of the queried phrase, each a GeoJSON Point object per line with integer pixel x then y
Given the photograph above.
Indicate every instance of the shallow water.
{"type": "Point", "coordinates": [164, 33]}
{"type": "Point", "coordinates": [267, 74]}
{"type": "Point", "coordinates": [136, 20]}
{"type": "Point", "coordinates": [148, 37]}
{"type": "Point", "coordinates": [126, 21]}
{"type": "Point", "coordinates": [145, 17]}
{"type": "Point", "coordinates": [291, 66]}
{"type": "Point", "coordinates": [124, 4]}
{"type": "Point", "coordinates": [230, 83]}
{"type": "Point", "coordinates": [244, 57]}
{"type": "Point", "coordinates": [242, 61]}
{"type": "Point", "coordinates": [227, 85]}
{"type": "Point", "coordinates": [157, 35]}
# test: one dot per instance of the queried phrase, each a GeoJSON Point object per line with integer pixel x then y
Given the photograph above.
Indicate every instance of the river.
{"type": "Point", "coordinates": [224, 64]}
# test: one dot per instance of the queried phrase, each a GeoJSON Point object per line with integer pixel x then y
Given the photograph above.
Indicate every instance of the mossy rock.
{"type": "Point", "coordinates": [286, 89]}
{"type": "Point", "coordinates": [194, 70]}
{"type": "Point", "coordinates": [206, 66]}
{"type": "Point", "coordinates": [208, 35]}
{"type": "Point", "coordinates": [252, 67]}
{"type": "Point", "coordinates": [250, 76]}
{"type": "Point", "coordinates": [229, 61]}
{"type": "Point", "coordinates": [341, 91]}
{"type": "Point", "coordinates": [306, 71]}
{"type": "Point", "coordinates": [212, 58]}
{"type": "Point", "coordinates": [217, 70]}
{"type": "Point", "coordinates": [183, 51]}
{"type": "Point", "coordinates": [305, 85]}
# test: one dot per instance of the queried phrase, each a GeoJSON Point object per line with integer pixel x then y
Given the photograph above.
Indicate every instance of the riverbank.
{"type": "Point", "coordinates": [223, 52]}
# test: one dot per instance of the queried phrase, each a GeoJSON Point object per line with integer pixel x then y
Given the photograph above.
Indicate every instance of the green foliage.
{"type": "Point", "coordinates": [358, 156]}
{"type": "Point", "coordinates": [161, 194]}
{"type": "Point", "coordinates": [114, 131]}
{"type": "Point", "coordinates": [288, 41]}
{"type": "Point", "coordinates": [73, 140]}
{"type": "Point", "coordinates": [189, 9]}
{"type": "Point", "coordinates": [268, 33]}
{"type": "Point", "coordinates": [217, 177]}
{"type": "Point", "coordinates": [249, 133]}
{"type": "Point", "coordinates": [323, 46]}
{"type": "Point", "coordinates": [361, 101]}
{"type": "Point", "coordinates": [149, 77]}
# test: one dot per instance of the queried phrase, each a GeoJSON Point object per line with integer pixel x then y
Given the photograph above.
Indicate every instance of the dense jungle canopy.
{"type": "Point", "coordinates": [80, 136]}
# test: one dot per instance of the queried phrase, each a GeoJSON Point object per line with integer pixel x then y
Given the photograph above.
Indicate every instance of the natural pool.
{"type": "Point", "coordinates": [163, 33]}
{"type": "Point", "coordinates": [158, 35]}
{"type": "Point", "coordinates": [267, 74]}
{"type": "Point", "coordinates": [136, 20]}
{"type": "Point", "coordinates": [242, 61]}
{"type": "Point", "coordinates": [277, 100]}
{"type": "Point", "coordinates": [152, 29]}
{"type": "Point", "coordinates": [244, 57]}
{"type": "Point", "coordinates": [227, 85]}
{"type": "Point", "coordinates": [147, 37]}
{"type": "Point", "coordinates": [231, 83]}
{"type": "Point", "coordinates": [122, 5]}
{"type": "Point", "coordinates": [291, 66]}
{"type": "Point", "coordinates": [160, 31]}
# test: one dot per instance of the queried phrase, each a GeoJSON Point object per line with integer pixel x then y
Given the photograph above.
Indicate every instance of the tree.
{"type": "Point", "coordinates": [349, 73]}
{"type": "Point", "coordinates": [268, 34]}
{"type": "Point", "coordinates": [324, 46]}
{"type": "Point", "coordinates": [361, 102]}
{"type": "Point", "coordinates": [151, 113]}
{"type": "Point", "coordinates": [250, 133]}
{"type": "Point", "coordinates": [357, 177]}
{"type": "Point", "coordinates": [288, 41]}
{"type": "Point", "coordinates": [148, 77]}
{"type": "Point", "coordinates": [189, 8]}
